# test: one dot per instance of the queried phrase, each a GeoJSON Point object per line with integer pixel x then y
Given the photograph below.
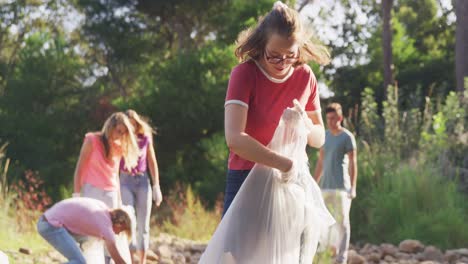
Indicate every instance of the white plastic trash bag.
{"type": "Point", "coordinates": [122, 245]}
{"type": "Point", "coordinates": [93, 250]}
{"type": "Point", "coordinates": [270, 220]}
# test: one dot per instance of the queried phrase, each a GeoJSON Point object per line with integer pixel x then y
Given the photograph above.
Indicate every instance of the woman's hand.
{"type": "Point", "coordinates": [157, 194]}
{"type": "Point", "coordinates": [287, 175]}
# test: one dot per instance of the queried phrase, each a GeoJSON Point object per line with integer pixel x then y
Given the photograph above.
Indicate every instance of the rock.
{"type": "Point", "coordinates": [166, 261]}
{"type": "Point", "coordinates": [389, 258]}
{"type": "Point", "coordinates": [366, 249]}
{"type": "Point", "coordinates": [411, 246]}
{"type": "Point", "coordinates": [450, 256]}
{"type": "Point", "coordinates": [178, 258]}
{"type": "Point", "coordinates": [164, 252]}
{"type": "Point", "coordinates": [461, 251]}
{"type": "Point", "coordinates": [374, 257]}
{"type": "Point", "coordinates": [355, 258]}
{"type": "Point", "coordinates": [150, 255]}
{"type": "Point", "coordinates": [56, 256]}
{"type": "Point", "coordinates": [187, 256]}
{"type": "Point", "coordinates": [26, 251]}
{"type": "Point", "coordinates": [164, 239]}
{"type": "Point", "coordinates": [178, 245]}
{"type": "Point", "coordinates": [198, 248]}
{"type": "Point", "coordinates": [388, 249]}
{"type": "Point", "coordinates": [195, 258]}
{"type": "Point", "coordinates": [455, 255]}
{"type": "Point", "coordinates": [403, 256]}
{"type": "Point", "coordinates": [433, 254]}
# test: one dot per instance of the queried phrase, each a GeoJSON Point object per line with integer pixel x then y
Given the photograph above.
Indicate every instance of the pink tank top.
{"type": "Point", "coordinates": [98, 171]}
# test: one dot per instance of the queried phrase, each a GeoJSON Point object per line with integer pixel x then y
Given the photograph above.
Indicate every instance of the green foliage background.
{"type": "Point", "coordinates": [66, 65]}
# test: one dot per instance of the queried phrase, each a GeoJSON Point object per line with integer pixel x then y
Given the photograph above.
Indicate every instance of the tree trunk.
{"type": "Point", "coordinates": [387, 45]}
{"type": "Point", "coordinates": [461, 45]}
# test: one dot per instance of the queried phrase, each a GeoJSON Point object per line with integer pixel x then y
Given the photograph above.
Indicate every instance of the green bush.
{"type": "Point", "coordinates": [189, 219]}
{"type": "Point", "coordinates": [412, 202]}
{"type": "Point", "coordinates": [404, 188]}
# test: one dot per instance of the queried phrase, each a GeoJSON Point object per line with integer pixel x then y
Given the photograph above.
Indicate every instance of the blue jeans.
{"type": "Point", "coordinates": [61, 240]}
{"type": "Point", "coordinates": [136, 192]}
{"type": "Point", "coordinates": [234, 181]}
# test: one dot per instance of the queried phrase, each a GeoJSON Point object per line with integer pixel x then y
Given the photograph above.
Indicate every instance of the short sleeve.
{"type": "Point", "coordinates": [90, 137]}
{"type": "Point", "coordinates": [313, 104]}
{"type": "Point", "coordinates": [108, 235]}
{"type": "Point", "coordinates": [240, 85]}
{"type": "Point", "coordinates": [350, 143]}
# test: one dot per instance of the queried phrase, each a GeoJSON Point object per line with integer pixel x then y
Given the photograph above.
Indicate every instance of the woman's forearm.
{"type": "Point", "coordinates": [85, 152]}
{"type": "Point", "coordinates": [250, 149]}
{"type": "Point", "coordinates": [153, 164]}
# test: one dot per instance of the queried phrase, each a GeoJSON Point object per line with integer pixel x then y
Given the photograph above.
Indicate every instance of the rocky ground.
{"type": "Point", "coordinates": [167, 249]}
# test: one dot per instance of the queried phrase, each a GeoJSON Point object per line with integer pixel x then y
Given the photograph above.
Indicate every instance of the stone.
{"type": "Point", "coordinates": [388, 249]}
{"type": "Point", "coordinates": [450, 256]}
{"type": "Point", "coordinates": [462, 251]}
{"type": "Point", "coordinates": [26, 251]}
{"type": "Point", "coordinates": [432, 253]}
{"type": "Point", "coordinates": [374, 257]}
{"type": "Point", "coordinates": [198, 248]}
{"type": "Point", "coordinates": [389, 258]}
{"type": "Point", "coordinates": [403, 256]}
{"type": "Point", "coordinates": [164, 252]}
{"type": "Point", "coordinates": [411, 246]}
{"type": "Point", "coordinates": [150, 255]}
{"type": "Point", "coordinates": [355, 258]}
{"type": "Point", "coordinates": [195, 258]}
{"type": "Point", "coordinates": [166, 261]}
{"type": "Point", "coordinates": [178, 245]}
{"type": "Point", "coordinates": [178, 258]}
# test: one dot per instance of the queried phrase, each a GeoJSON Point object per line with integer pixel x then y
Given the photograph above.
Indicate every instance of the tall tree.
{"type": "Point", "coordinates": [461, 46]}
{"type": "Point", "coordinates": [387, 43]}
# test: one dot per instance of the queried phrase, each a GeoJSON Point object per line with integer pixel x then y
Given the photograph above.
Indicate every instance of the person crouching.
{"type": "Point", "coordinates": [83, 217]}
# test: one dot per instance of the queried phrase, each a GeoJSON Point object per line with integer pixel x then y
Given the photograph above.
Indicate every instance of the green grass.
{"type": "Point", "coordinates": [16, 233]}
{"type": "Point", "coordinates": [189, 218]}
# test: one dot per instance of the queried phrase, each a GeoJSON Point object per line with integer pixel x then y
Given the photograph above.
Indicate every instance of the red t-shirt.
{"type": "Point", "coordinates": [266, 99]}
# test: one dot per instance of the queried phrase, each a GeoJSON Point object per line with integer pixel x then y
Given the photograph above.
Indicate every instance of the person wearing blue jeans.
{"type": "Point", "coordinates": [83, 217]}
{"type": "Point", "coordinates": [136, 192]}
{"type": "Point", "coordinates": [135, 185]}
{"type": "Point", "coordinates": [234, 181]}
{"type": "Point", "coordinates": [61, 240]}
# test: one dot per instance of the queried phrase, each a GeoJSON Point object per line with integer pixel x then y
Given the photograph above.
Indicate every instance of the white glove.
{"type": "Point", "coordinates": [298, 107]}
{"type": "Point", "coordinates": [287, 176]}
{"type": "Point", "coordinates": [76, 195]}
{"type": "Point", "coordinates": [352, 193]}
{"type": "Point", "coordinates": [157, 195]}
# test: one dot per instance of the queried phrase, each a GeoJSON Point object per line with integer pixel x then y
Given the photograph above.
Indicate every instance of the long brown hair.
{"type": "Point", "coordinates": [130, 148]}
{"type": "Point", "coordinates": [285, 22]}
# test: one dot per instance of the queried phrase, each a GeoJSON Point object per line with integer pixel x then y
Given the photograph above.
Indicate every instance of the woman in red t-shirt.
{"type": "Point", "coordinates": [272, 74]}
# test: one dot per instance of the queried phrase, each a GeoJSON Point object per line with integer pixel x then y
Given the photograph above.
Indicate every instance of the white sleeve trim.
{"type": "Point", "coordinates": [315, 111]}
{"type": "Point", "coordinates": [238, 102]}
